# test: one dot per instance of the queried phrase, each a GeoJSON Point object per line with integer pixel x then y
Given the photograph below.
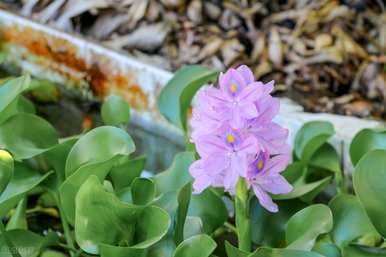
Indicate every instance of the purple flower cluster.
{"type": "Point", "coordinates": [235, 137]}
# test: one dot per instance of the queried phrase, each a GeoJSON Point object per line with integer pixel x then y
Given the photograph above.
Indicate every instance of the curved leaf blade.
{"type": "Point", "coordinates": [176, 96]}
{"type": "Point", "coordinates": [306, 225]}
{"type": "Point", "coordinates": [369, 183]}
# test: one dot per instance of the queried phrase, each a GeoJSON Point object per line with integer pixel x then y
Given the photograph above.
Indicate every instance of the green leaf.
{"type": "Point", "coordinates": [71, 185]}
{"type": "Point", "coordinates": [117, 251]}
{"type": "Point", "coordinates": [23, 180]}
{"type": "Point", "coordinates": [327, 249]}
{"type": "Point", "coordinates": [101, 218]}
{"type": "Point", "coordinates": [11, 89]}
{"type": "Point", "coordinates": [350, 220]}
{"type": "Point", "coordinates": [294, 172]}
{"type": "Point", "coordinates": [176, 96]}
{"type": "Point", "coordinates": [263, 221]}
{"type": "Point", "coordinates": [193, 226]}
{"type": "Point", "coordinates": [22, 135]}
{"type": "Point", "coordinates": [95, 153]}
{"type": "Point", "coordinates": [115, 111]}
{"type": "Point", "coordinates": [6, 169]}
{"type": "Point", "coordinates": [164, 248]}
{"type": "Point", "coordinates": [25, 105]}
{"type": "Point", "coordinates": [142, 191]}
{"type": "Point", "coordinates": [19, 218]}
{"type": "Point", "coordinates": [182, 210]}
{"type": "Point", "coordinates": [123, 174]}
{"type": "Point", "coordinates": [56, 157]}
{"type": "Point", "coordinates": [275, 252]}
{"type": "Point", "coordinates": [302, 189]}
{"type": "Point", "coordinates": [19, 104]}
{"type": "Point", "coordinates": [210, 208]}
{"type": "Point", "coordinates": [357, 251]}
{"type": "Point", "coordinates": [370, 182]}
{"type": "Point", "coordinates": [310, 137]}
{"type": "Point", "coordinates": [326, 157]}
{"type": "Point", "coordinates": [51, 253]}
{"type": "Point", "coordinates": [99, 145]}
{"type": "Point", "coordinates": [197, 246]}
{"type": "Point", "coordinates": [365, 141]}
{"type": "Point", "coordinates": [26, 242]}
{"type": "Point", "coordinates": [306, 225]}
{"type": "Point", "coordinates": [233, 251]}
{"type": "Point", "coordinates": [177, 175]}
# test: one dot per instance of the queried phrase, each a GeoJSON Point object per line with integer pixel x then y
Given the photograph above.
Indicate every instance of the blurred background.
{"type": "Point", "coordinates": [327, 55]}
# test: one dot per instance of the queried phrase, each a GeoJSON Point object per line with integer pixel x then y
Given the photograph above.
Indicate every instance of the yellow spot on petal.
{"type": "Point", "coordinates": [231, 138]}
{"type": "Point", "coordinates": [260, 164]}
{"type": "Point", "coordinates": [233, 88]}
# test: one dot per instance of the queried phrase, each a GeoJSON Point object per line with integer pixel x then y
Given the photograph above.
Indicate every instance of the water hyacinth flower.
{"type": "Point", "coordinates": [234, 133]}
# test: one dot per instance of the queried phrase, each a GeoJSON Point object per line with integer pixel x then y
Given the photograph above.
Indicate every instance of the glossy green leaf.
{"type": "Point", "coordinates": [19, 104]}
{"type": "Point", "coordinates": [22, 135]}
{"type": "Point", "coordinates": [117, 251]}
{"type": "Point", "coordinates": [233, 251]}
{"type": "Point", "coordinates": [177, 175]}
{"type": "Point", "coordinates": [197, 246]}
{"type": "Point", "coordinates": [210, 208]}
{"type": "Point", "coordinates": [350, 219]}
{"type": "Point", "coordinates": [357, 251]}
{"type": "Point", "coordinates": [25, 105]}
{"type": "Point", "coordinates": [99, 145]}
{"type": "Point", "coordinates": [101, 218]}
{"type": "Point", "coordinates": [306, 225]}
{"type": "Point", "coordinates": [26, 242]}
{"type": "Point", "coordinates": [301, 189]}
{"type": "Point", "coordinates": [326, 157]}
{"type": "Point", "coordinates": [71, 185]}
{"type": "Point", "coordinates": [115, 111]}
{"type": "Point", "coordinates": [193, 226]}
{"type": "Point", "coordinates": [370, 182]}
{"type": "Point", "coordinates": [124, 173]}
{"type": "Point", "coordinates": [182, 210]}
{"type": "Point", "coordinates": [51, 253]}
{"type": "Point", "coordinates": [11, 89]}
{"type": "Point", "coordinates": [56, 157]}
{"type": "Point", "coordinates": [95, 153]}
{"type": "Point", "coordinates": [6, 169]}
{"type": "Point", "coordinates": [23, 180]}
{"type": "Point", "coordinates": [142, 191]}
{"type": "Point", "coordinates": [327, 249]}
{"type": "Point", "coordinates": [164, 248]}
{"type": "Point", "coordinates": [176, 96]}
{"type": "Point", "coordinates": [19, 218]}
{"type": "Point", "coordinates": [310, 137]}
{"type": "Point", "coordinates": [294, 172]}
{"type": "Point", "coordinates": [365, 141]}
{"type": "Point", "coordinates": [275, 252]}
{"type": "Point", "coordinates": [263, 221]}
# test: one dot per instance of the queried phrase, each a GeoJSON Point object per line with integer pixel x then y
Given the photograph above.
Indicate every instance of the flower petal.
{"type": "Point", "coordinates": [275, 184]}
{"type": "Point", "coordinates": [248, 110]}
{"type": "Point", "coordinates": [264, 199]}
{"type": "Point", "coordinates": [246, 73]}
{"type": "Point", "coordinates": [276, 164]}
{"type": "Point", "coordinates": [232, 77]}
{"type": "Point", "coordinates": [210, 145]}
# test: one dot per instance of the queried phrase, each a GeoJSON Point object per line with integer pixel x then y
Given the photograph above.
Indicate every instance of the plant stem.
{"type": "Point", "coordinates": [340, 176]}
{"type": "Point", "coordinates": [66, 226]}
{"type": "Point", "coordinates": [243, 223]}
{"type": "Point", "coordinates": [230, 227]}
